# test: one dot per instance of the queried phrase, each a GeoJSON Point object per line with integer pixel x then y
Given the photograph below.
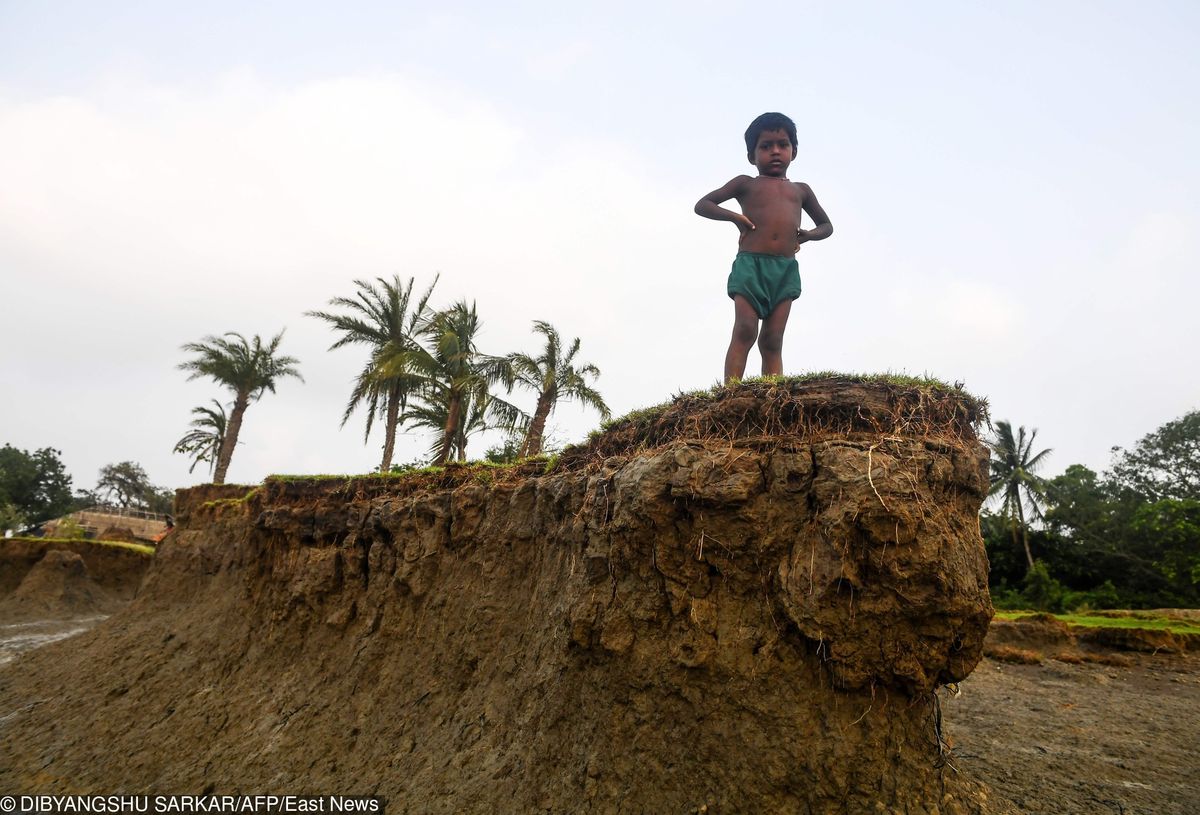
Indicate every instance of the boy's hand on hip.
{"type": "Point", "coordinates": [744, 224]}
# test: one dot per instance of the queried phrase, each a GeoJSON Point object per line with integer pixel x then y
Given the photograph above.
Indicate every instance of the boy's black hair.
{"type": "Point", "coordinates": [769, 121]}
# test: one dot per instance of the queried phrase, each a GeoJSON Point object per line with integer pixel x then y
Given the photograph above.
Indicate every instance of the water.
{"type": "Point", "coordinates": [17, 638]}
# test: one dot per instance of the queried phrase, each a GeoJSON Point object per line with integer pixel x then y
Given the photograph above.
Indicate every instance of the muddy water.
{"type": "Point", "coordinates": [17, 638]}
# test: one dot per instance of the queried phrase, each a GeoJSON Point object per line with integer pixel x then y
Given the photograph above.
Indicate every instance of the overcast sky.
{"type": "Point", "coordinates": [1013, 188]}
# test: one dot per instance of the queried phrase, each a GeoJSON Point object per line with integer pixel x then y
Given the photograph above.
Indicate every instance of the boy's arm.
{"type": "Point", "coordinates": [710, 205]}
{"type": "Point", "coordinates": [823, 228]}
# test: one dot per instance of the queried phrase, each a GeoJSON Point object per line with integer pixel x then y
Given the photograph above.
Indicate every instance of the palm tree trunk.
{"type": "Point", "coordinates": [1024, 533]}
{"type": "Point", "coordinates": [452, 420]}
{"type": "Point", "coordinates": [389, 430]}
{"type": "Point", "coordinates": [240, 402]}
{"type": "Point", "coordinates": [533, 439]}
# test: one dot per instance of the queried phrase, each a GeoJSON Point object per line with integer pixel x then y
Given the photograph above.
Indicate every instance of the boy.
{"type": "Point", "coordinates": [765, 277]}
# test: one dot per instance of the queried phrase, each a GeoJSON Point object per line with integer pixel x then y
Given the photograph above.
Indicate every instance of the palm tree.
{"type": "Point", "coordinates": [380, 318]}
{"type": "Point", "coordinates": [555, 377]}
{"type": "Point", "coordinates": [433, 415]}
{"type": "Point", "coordinates": [455, 375]}
{"type": "Point", "coordinates": [1013, 465]}
{"type": "Point", "coordinates": [203, 442]}
{"type": "Point", "coordinates": [247, 368]}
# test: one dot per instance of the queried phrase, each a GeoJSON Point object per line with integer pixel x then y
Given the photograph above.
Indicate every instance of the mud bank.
{"type": "Point", "coordinates": [117, 570]}
{"type": "Point", "coordinates": [43, 580]}
{"type": "Point", "coordinates": [743, 604]}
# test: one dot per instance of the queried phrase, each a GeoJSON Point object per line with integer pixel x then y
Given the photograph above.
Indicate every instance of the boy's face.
{"type": "Point", "coordinates": [773, 153]}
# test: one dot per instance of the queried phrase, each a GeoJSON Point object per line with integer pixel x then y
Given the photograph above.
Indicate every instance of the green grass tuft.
{"type": "Point", "coordinates": [1175, 626]}
{"type": "Point", "coordinates": [140, 548]}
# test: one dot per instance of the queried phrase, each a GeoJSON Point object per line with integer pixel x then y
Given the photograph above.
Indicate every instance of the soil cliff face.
{"type": "Point", "coordinates": [739, 605]}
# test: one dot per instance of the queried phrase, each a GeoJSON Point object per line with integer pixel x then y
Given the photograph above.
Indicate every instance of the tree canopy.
{"type": "Point", "coordinates": [203, 442]}
{"type": "Point", "coordinates": [1128, 538]}
{"type": "Point", "coordinates": [125, 484]}
{"type": "Point", "coordinates": [248, 368]}
{"type": "Point", "coordinates": [384, 318]}
{"type": "Point", "coordinates": [555, 376]}
{"type": "Point", "coordinates": [1163, 464]}
{"type": "Point", "coordinates": [455, 376]}
{"type": "Point", "coordinates": [34, 487]}
{"type": "Point", "coordinates": [1014, 479]}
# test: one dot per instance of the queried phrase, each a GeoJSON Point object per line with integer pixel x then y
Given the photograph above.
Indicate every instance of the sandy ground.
{"type": "Point", "coordinates": [1053, 738]}
{"type": "Point", "coordinates": [1060, 738]}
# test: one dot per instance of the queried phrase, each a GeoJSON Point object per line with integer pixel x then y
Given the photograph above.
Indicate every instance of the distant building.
{"type": "Point", "coordinates": [103, 522]}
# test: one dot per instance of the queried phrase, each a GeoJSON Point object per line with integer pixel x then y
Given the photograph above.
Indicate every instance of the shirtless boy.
{"type": "Point", "coordinates": [765, 277]}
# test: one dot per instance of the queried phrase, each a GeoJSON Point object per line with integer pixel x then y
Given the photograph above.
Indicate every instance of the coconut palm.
{"type": "Point", "coordinates": [433, 415]}
{"type": "Point", "coordinates": [455, 375]}
{"type": "Point", "coordinates": [1012, 466]}
{"type": "Point", "coordinates": [203, 442]}
{"type": "Point", "coordinates": [555, 377]}
{"type": "Point", "coordinates": [385, 319]}
{"type": "Point", "coordinates": [247, 368]}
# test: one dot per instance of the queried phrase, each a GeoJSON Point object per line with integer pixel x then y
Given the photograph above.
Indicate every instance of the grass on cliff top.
{"type": "Point", "coordinates": [140, 548]}
{"type": "Point", "coordinates": [1172, 624]}
{"type": "Point", "coordinates": [806, 405]}
{"type": "Point", "coordinates": [763, 383]}
{"type": "Point", "coordinates": [485, 472]}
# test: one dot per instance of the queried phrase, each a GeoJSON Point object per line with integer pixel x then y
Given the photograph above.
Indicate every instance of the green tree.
{"type": "Point", "coordinates": [36, 485]}
{"type": "Point", "coordinates": [203, 442]}
{"type": "Point", "coordinates": [126, 485]}
{"type": "Point", "coordinates": [11, 518]}
{"type": "Point", "coordinates": [249, 369]}
{"type": "Point", "coordinates": [1164, 464]}
{"type": "Point", "coordinates": [1013, 478]}
{"type": "Point", "coordinates": [1079, 505]}
{"type": "Point", "coordinates": [1041, 590]}
{"type": "Point", "coordinates": [554, 376]}
{"type": "Point", "coordinates": [1168, 533]}
{"type": "Point", "coordinates": [385, 319]}
{"type": "Point", "coordinates": [454, 375]}
{"type": "Point", "coordinates": [507, 451]}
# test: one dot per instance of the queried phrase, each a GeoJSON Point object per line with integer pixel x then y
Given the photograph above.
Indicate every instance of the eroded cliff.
{"type": "Point", "coordinates": [742, 602]}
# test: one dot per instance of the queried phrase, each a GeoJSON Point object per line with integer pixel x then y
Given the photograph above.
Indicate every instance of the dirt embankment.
{"type": "Point", "coordinates": [116, 571]}
{"type": "Point", "coordinates": [1032, 638]}
{"type": "Point", "coordinates": [725, 622]}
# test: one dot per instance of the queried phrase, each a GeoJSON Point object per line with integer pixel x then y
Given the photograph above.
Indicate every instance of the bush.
{"type": "Point", "coordinates": [1103, 596]}
{"type": "Point", "coordinates": [66, 528]}
{"type": "Point", "coordinates": [1007, 598]}
{"type": "Point", "coordinates": [1042, 591]}
{"type": "Point", "coordinates": [11, 518]}
{"type": "Point", "coordinates": [506, 453]}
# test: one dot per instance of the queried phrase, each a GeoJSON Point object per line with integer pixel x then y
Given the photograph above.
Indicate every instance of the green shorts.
{"type": "Point", "coordinates": [764, 280]}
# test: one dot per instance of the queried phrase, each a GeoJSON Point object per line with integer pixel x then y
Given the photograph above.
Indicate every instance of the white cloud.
{"type": "Point", "coordinates": [138, 227]}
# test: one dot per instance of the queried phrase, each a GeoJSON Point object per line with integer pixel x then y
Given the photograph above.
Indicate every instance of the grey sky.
{"type": "Point", "coordinates": [1013, 188]}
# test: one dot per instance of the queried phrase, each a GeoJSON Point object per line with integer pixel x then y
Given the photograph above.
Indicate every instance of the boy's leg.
{"type": "Point", "coordinates": [770, 339]}
{"type": "Point", "coordinates": [745, 330]}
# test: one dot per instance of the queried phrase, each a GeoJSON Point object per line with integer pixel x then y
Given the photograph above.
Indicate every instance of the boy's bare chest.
{"type": "Point", "coordinates": [772, 195]}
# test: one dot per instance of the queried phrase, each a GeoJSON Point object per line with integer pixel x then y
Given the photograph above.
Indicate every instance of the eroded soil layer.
{"type": "Point", "coordinates": [749, 625]}
{"type": "Point", "coordinates": [115, 570]}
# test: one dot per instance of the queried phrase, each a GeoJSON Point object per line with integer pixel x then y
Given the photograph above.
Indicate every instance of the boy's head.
{"type": "Point", "coordinates": [769, 121]}
{"type": "Point", "coordinates": [770, 124]}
